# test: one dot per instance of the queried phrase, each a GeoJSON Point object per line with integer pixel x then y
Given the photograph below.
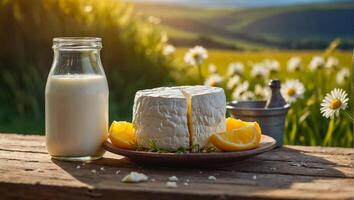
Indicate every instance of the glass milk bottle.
{"type": "Point", "coordinates": [76, 100]}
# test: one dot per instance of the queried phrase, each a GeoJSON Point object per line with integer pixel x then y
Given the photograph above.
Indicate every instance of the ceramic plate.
{"type": "Point", "coordinates": [192, 159]}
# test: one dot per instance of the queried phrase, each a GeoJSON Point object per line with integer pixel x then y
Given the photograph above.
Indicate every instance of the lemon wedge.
{"type": "Point", "coordinates": [232, 123]}
{"type": "Point", "coordinates": [122, 134]}
{"type": "Point", "coordinates": [246, 136]}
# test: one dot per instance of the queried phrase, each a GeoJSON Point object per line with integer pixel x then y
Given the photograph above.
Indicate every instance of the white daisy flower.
{"type": "Point", "coordinates": [333, 102]}
{"type": "Point", "coordinates": [294, 64]}
{"type": "Point", "coordinates": [342, 76]}
{"type": "Point", "coordinates": [246, 96]}
{"type": "Point", "coordinates": [214, 80]}
{"type": "Point", "coordinates": [292, 90]}
{"type": "Point", "coordinates": [163, 37]}
{"type": "Point", "coordinates": [241, 88]}
{"type": "Point", "coordinates": [232, 82]}
{"type": "Point", "coordinates": [259, 70]}
{"type": "Point", "coordinates": [332, 63]}
{"type": "Point", "coordinates": [196, 55]}
{"type": "Point", "coordinates": [154, 20]}
{"type": "Point", "coordinates": [272, 65]}
{"type": "Point", "coordinates": [261, 91]}
{"type": "Point", "coordinates": [235, 68]}
{"type": "Point", "coordinates": [317, 62]}
{"type": "Point", "coordinates": [241, 92]}
{"type": "Point", "coordinates": [212, 69]}
{"type": "Point", "coordinates": [168, 50]}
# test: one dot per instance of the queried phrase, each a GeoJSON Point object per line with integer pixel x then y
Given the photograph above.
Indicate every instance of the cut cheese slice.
{"type": "Point", "coordinates": [206, 112]}
{"type": "Point", "coordinates": [174, 117]}
{"type": "Point", "coordinates": [160, 115]}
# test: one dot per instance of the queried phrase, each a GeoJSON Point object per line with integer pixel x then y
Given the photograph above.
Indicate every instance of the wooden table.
{"type": "Point", "coordinates": [291, 172]}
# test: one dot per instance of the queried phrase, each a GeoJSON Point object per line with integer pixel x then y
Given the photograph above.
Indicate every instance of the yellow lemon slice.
{"type": "Point", "coordinates": [122, 134]}
{"type": "Point", "coordinates": [232, 123]}
{"type": "Point", "coordinates": [244, 138]}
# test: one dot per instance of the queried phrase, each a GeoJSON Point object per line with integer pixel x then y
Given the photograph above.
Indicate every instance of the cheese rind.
{"type": "Point", "coordinates": [160, 115]}
{"type": "Point", "coordinates": [207, 112]}
{"type": "Point", "coordinates": [175, 117]}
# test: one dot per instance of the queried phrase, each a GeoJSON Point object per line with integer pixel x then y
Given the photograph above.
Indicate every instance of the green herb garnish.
{"type": "Point", "coordinates": [193, 149]}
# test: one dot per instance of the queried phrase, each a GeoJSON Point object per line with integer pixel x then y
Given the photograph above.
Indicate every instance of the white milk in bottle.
{"type": "Point", "coordinates": [76, 100]}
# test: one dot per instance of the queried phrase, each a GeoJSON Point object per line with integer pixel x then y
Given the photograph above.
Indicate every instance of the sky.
{"type": "Point", "coordinates": [238, 3]}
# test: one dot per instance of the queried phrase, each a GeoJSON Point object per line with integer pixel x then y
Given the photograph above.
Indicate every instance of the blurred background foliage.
{"type": "Point", "coordinates": [131, 54]}
{"type": "Point", "coordinates": [134, 39]}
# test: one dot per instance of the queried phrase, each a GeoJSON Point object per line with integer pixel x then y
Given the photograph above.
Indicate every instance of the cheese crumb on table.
{"type": "Point", "coordinates": [93, 171]}
{"type": "Point", "coordinates": [118, 171]}
{"type": "Point", "coordinates": [102, 168]}
{"type": "Point", "coordinates": [171, 184]}
{"type": "Point", "coordinates": [186, 183]}
{"type": "Point", "coordinates": [135, 177]}
{"type": "Point", "coordinates": [173, 178]}
{"type": "Point", "coordinates": [78, 167]}
{"type": "Point", "coordinates": [212, 178]}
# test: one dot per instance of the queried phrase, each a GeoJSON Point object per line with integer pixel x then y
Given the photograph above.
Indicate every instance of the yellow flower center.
{"type": "Point", "coordinates": [291, 92]}
{"type": "Point", "coordinates": [213, 83]}
{"type": "Point", "coordinates": [335, 104]}
{"type": "Point", "coordinates": [196, 56]}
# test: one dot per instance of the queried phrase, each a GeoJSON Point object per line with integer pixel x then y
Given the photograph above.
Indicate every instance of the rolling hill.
{"type": "Point", "coordinates": [308, 26]}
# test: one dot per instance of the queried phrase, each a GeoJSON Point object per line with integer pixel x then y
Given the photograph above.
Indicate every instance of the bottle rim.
{"type": "Point", "coordinates": [77, 43]}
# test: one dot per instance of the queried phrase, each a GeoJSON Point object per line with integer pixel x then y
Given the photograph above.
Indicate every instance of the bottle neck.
{"type": "Point", "coordinates": [83, 61]}
{"type": "Point", "coordinates": [275, 99]}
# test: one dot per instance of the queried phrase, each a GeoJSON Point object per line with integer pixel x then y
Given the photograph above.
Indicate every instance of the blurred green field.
{"type": "Point", "coordinates": [284, 27]}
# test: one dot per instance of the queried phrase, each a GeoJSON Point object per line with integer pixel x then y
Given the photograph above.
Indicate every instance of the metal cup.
{"type": "Point", "coordinates": [271, 120]}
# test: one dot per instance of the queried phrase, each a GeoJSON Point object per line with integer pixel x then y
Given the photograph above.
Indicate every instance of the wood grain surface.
{"type": "Point", "coordinates": [291, 172]}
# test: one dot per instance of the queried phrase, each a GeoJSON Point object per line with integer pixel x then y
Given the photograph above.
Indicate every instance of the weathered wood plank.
{"type": "Point", "coordinates": [252, 165]}
{"type": "Point", "coordinates": [278, 161]}
{"type": "Point", "coordinates": [149, 192]}
{"type": "Point", "coordinates": [344, 157]}
{"type": "Point", "coordinates": [293, 172]}
{"type": "Point", "coordinates": [325, 150]}
{"type": "Point", "coordinates": [36, 139]}
{"type": "Point", "coordinates": [152, 190]}
{"type": "Point", "coordinates": [67, 173]}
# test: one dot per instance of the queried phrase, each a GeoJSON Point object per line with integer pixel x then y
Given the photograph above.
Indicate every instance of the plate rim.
{"type": "Point", "coordinates": [108, 146]}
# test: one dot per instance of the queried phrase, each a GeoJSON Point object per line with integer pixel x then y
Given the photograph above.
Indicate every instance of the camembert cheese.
{"type": "Point", "coordinates": [206, 112]}
{"type": "Point", "coordinates": [160, 115]}
{"type": "Point", "coordinates": [175, 117]}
